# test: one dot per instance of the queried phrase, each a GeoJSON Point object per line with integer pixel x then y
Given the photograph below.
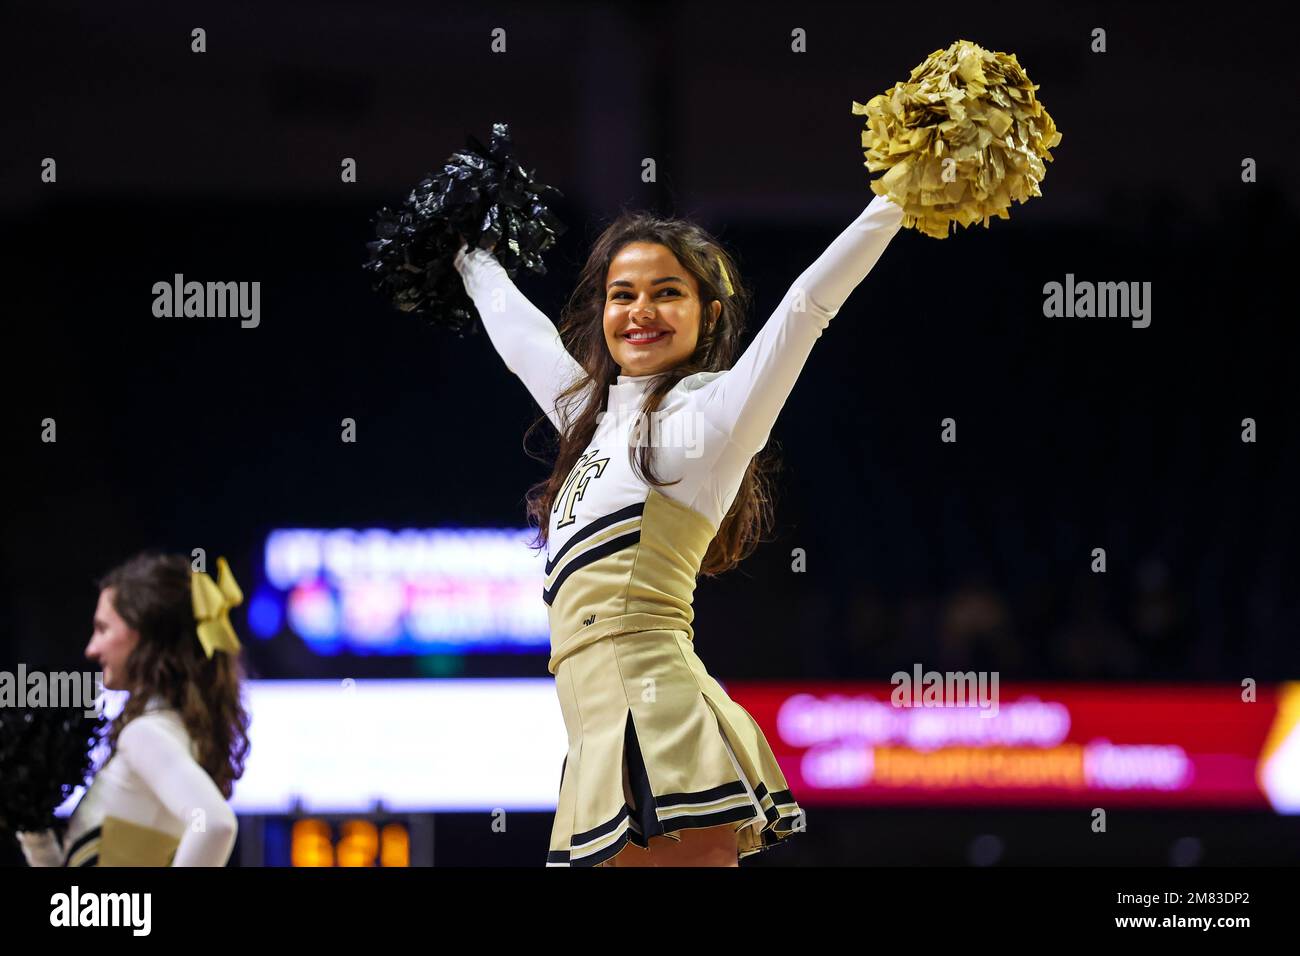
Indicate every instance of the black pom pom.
{"type": "Point", "coordinates": [482, 195]}
{"type": "Point", "coordinates": [44, 756]}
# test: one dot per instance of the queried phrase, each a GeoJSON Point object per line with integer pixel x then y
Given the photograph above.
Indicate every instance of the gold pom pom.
{"type": "Point", "coordinates": [962, 138]}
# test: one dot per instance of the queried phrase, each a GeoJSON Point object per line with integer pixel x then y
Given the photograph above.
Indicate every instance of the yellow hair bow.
{"type": "Point", "coordinates": [726, 279]}
{"type": "Point", "coordinates": [212, 603]}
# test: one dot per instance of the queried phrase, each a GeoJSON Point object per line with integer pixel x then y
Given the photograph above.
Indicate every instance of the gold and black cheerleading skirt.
{"type": "Point", "coordinates": [657, 746]}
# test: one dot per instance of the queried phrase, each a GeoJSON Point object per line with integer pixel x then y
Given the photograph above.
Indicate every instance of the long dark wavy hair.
{"type": "Point", "coordinates": [582, 330]}
{"type": "Point", "coordinates": [151, 592]}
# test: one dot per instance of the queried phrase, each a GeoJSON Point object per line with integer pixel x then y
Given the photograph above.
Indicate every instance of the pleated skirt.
{"type": "Point", "coordinates": [657, 746]}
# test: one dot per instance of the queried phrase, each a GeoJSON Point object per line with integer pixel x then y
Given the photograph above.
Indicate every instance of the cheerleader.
{"type": "Point", "coordinates": [658, 478]}
{"type": "Point", "coordinates": [162, 633]}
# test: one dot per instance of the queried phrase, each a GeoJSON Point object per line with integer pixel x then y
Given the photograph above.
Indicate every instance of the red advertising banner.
{"type": "Point", "coordinates": [1034, 744]}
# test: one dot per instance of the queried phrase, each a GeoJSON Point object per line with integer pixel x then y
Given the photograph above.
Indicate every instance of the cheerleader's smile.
{"type": "Point", "coordinates": [652, 309]}
{"type": "Point", "coordinates": [647, 336]}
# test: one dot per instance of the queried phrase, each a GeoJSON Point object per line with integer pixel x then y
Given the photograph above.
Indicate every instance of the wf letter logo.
{"type": "Point", "coordinates": [576, 485]}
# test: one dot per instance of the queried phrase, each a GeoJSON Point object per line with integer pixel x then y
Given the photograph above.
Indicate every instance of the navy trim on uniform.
{"type": "Point", "coordinates": [600, 856]}
{"type": "Point", "coordinates": [587, 557]}
{"type": "Point", "coordinates": [695, 821]}
{"type": "Point", "coordinates": [596, 856]}
{"type": "Point", "coordinates": [614, 517]}
{"type": "Point", "coordinates": [79, 843]}
{"type": "Point", "coordinates": [713, 793]}
{"type": "Point", "coordinates": [782, 796]}
{"type": "Point", "coordinates": [594, 832]}
{"type": "Point", "coordinates": [647, 820]}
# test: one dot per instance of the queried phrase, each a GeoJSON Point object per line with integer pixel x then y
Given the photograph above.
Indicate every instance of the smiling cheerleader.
{"type": "Point", "coordinates": [659, 479]}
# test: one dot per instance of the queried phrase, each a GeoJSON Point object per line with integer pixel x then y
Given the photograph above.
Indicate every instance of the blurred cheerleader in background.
{"type": "Point", "coordinates": [163, 633]}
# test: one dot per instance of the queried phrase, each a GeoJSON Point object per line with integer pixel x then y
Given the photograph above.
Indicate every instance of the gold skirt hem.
{"type": "Point", "coordinates": [657, 746]}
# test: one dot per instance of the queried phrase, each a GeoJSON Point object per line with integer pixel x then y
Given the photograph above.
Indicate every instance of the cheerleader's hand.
{"type": "Point", "coordinates": [461, 261]}
{"type": "Point", "coordinates": [885, 206]}
{"type": "Point", "coordinates": [467, 256]}
{"type": "Point", "coordinates": [41, 847]}
{"type": "Point", "coordinates": [465, 242]}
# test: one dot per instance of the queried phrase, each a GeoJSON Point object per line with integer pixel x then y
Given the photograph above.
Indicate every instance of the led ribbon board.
{"type": "Point", "coordinates": [1172, 746]}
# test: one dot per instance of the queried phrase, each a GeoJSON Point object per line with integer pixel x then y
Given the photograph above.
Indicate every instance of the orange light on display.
{"type": "Point", "coordinates": [395, 846]}
{"type": "Point", "coordinates": [361, 843]}
{"type": "Point", "coordinates": [312, 844]}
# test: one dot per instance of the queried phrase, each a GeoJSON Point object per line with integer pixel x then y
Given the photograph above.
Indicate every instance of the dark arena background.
{"type": "Point", "coordinates": [1098, 514]}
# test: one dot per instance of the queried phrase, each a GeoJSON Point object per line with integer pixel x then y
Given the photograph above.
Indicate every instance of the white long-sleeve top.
{"type": "Point", "coordinates": [623, 555]}
{"type": "Point", "coordinates": [150, 799]}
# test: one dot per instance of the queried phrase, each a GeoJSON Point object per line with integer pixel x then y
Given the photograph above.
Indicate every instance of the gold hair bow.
{"type": "Point", "coordinates": [212, 603]}
{"type": "Point", "coordinates": [726, 279]}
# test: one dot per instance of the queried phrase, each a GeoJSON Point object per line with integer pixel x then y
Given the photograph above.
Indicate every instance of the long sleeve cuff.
{"type": "Point", "coordinates": [41, 848]}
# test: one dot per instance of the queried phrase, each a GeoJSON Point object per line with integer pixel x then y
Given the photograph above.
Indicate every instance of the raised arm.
{"type": "Point", "coordinates": [744, 401]}
{"type": "Point", "coordinates": [185, 789]}
{"type": "Point", "coordinates": [527, 341]}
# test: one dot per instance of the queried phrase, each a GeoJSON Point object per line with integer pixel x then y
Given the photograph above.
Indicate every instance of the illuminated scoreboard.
{"type": "Point", "coordinates": [410, 591]}
{"type": "Point", "coordinates": [337, 841]}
